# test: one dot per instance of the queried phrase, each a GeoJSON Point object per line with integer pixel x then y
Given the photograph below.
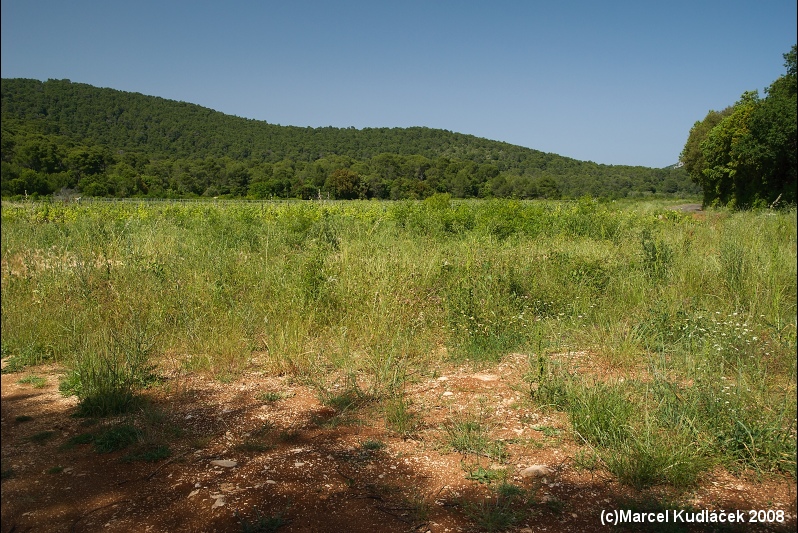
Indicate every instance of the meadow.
{"type": "Point", "coordinates": [688, 321]}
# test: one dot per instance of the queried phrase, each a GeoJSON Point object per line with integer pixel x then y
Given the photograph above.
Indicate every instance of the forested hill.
{"type": "Point", "coordinates": [58, 135]}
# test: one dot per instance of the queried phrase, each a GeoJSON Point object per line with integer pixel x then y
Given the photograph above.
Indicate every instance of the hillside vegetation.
{"type": "Point", "coordinates": [64, 136]}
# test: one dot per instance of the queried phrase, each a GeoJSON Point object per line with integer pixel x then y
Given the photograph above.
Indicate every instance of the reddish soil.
{"type": "Point", "coordinates": [318, 469]}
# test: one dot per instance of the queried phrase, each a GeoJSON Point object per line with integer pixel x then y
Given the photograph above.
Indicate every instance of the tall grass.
{"type": "Point", "coordinates": [690, 309]}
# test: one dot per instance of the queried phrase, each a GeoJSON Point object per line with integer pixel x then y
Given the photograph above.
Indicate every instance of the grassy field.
{"type": "Point", "coordinates": [690, 321]}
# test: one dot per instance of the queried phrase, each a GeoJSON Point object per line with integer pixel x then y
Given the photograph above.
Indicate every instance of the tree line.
{"type": "Point", "coordinates": [64, 136]}
{"type": "Point", "coordinates": [745, 155]}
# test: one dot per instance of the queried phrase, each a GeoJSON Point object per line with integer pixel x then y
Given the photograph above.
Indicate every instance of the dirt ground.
{"type": "Point", "coordinates": [286, 462]}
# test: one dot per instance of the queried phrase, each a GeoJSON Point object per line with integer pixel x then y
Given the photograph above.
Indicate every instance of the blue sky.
{"type": "Point", "coordinates": [613, 82]}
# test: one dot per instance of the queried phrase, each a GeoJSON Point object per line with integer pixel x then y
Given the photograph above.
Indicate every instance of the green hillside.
{"type": "Point", "coordinates": [58, 135]}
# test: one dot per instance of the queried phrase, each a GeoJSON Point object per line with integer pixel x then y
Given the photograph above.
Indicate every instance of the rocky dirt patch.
{"type": "Point", "coordinates": [262, 453]}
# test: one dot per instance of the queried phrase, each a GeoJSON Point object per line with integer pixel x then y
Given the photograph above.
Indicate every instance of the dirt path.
{"type": "Point", "coordinates": [687, 208]}
{"type": "Point", "coordinates": [289, 463]}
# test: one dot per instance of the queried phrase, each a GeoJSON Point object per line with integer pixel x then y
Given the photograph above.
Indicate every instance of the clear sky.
{"type": "Point", "coordinates": [616, 82]}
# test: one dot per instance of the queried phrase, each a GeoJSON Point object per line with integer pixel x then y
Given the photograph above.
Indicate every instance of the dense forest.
{"type": "Point", "coordinates": [63, 138]}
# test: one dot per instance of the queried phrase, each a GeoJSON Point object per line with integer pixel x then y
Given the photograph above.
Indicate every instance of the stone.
{"type": "Point", "coordinates": [536, 471]}
{"type": "Point", "coordinates": [224, 463]}
{"type": "Point", "coordinates": [219, 501]}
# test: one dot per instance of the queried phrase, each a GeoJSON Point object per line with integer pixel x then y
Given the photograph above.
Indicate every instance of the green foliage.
{"type": "Point", "coordinates": [694, 311]}
{"type": "Point", "coordinates": [270, 396]}
{"type": "Point", "coordinates": [116, 438]}
{"type": "Point", "coordinates": [346, 398]}
{"type": "Point", "coordinates": [117, 144]}
{"type": "Point", "coordinates": [30, 354]}
{"type": "Point", "coordinates": [508, 506]}
{"type": "Point", "coordinates": [81, 438]}
{"type": "Point", "coordinates": [470, 435]}
{"type": "Point", "coordinates": [745, 156]}
{"type": "Point", "coordinates": [485, 475]}
{"type": "Point", "coordinates": [105, 378]}
{"type": "Point", "coordinates": [657, 255]}
{"type": "Point", "coordinates": [601, 414]}
{"type": "Point", "coordinates": [400, 417]}
{"type": "Point", "coordinates": [42, 437]}
{"type": "Point", "coordinates": [37, 381]}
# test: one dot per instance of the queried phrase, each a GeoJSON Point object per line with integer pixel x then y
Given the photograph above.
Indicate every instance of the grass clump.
{"type": "Point", "coordinates": [485, 475]}
{"type": "Point", "coordinates": [116, 438]}
{"type": "Point", "coordinates": [400, 417]}
{"type": "Point", "coordinates": [471, 436]}
{"type": "Point", "coordinates": [507, 506]}
{"type": "Point", "coordinates": [372, 445]}
{"type": "Point", "coordinates": [254, 445]}
{"type": "Point", "coordinates": [81, 438]}
{"type": "Point", "coordinates": [106, 376]}
{"type": "Point", "coordinates": [42, 437]}
{"type": "Point", "coordinates": [271, 396]}
{"type": "Point", "coordinates": [38, 382]}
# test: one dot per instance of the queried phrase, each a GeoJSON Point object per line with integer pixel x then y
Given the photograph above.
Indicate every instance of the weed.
{"type": "Point", "coordinates": [23, 418]}
{"type": "Point", "coordinates": [289, 435]}
{"type": "Point", "coordinates": [547, 431]}
{"type": "Point", "coordinates": [346, 398]}
{"type": "Point", "coordinates": [372, 445]}
{"type": "Point", "coordinates": [470, 436]}
{"type": "Point", "coordinates": [485, 475]}
{"type": "Point", "coordinates": [587, 460]}
{"type": "Point", "coordinates": [30, 354]}
{"type": "Point", "coordinates": [106, 377]}
{"type": "Point", "coordinates": [254, 445]}
{"type": "Point", "coordinates": [506, 507]}
{"type": "Point", "coordinates": [42, 437]}
{"type": "Point", "coordinates": [55, 470]}
{"type": "Point", "coordinates": [653, 459]}
{"type": "Point", "coordinates": [705, 307]}
{"type": "Point", "coordinates": [399, 417]}
{"type": "Point", "coordinates": [270, 396]}
{"type": "Point", "coordinates": [116, 438]}
{"type": "Point", "coordinates": [419, 506]}
{"type": "Point", "coordinates": [601, 414]}
{"type": "Point", "coordinates": [37, 381]}
{"type": "Point", "coordinates": [81, 438]}
{"type": "Point", "coordinates": [657, 255]}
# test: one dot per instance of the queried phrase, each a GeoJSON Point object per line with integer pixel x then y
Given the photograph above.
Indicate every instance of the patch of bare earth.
{"type": "Point", "coordinates": [239, 455]}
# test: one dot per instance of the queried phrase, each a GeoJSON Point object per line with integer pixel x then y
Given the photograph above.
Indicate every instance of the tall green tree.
{"type": "Point", "coordinates": [745, 156]}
